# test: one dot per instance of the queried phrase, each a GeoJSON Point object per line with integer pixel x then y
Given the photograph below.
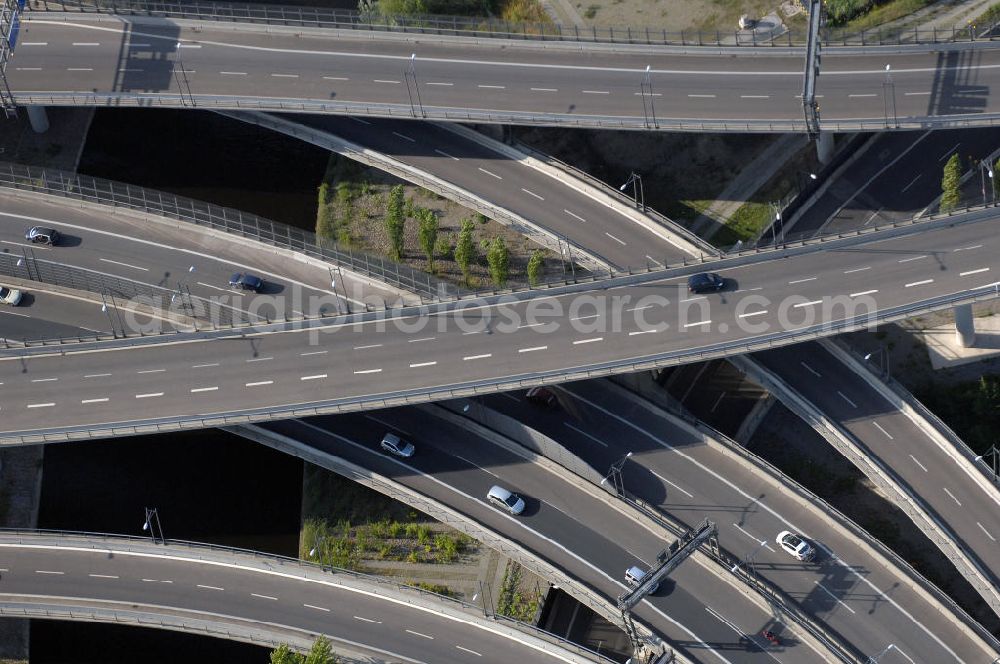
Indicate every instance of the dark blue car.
{"type": "Point", "coordinates": [244, 281]}
{"type": "Point", "coordinates": [705, 282]}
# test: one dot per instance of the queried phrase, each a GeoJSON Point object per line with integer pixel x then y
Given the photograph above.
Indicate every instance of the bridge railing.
{"type": "Point", "coordinates": [490, 27]}
{"type": "Point", "coordinates": [296, 566]}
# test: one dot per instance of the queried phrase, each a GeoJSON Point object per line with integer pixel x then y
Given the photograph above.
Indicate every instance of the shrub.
{"type": "Point", "coordinates": [498, 258]}
{"type": "Point", "coordinates": [395, 222]}
{"type": "Point", "coordinates": [951, 184]}
{"type": "Point", "coordinates": [428, 234]}
{"type": "Point", "coordinates": [465, 248]}
{"type": "Point", "coordinates": [536, 267]}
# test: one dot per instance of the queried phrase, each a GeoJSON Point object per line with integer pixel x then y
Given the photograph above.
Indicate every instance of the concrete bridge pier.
{"type": "Point", "coordinates": [38, 118]}
{"type": "Point", "coordinates": [965, 329]}
{"type": "Point", "coordinates": [824, 147]}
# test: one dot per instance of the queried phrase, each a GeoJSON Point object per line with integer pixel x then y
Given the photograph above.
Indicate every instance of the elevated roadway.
{"type": "Point", "coordinates": [430, 356]}
{"type": "Point", "coordinates": [252, 597]}
{"type": "Point", "coordinates": [88, 59]}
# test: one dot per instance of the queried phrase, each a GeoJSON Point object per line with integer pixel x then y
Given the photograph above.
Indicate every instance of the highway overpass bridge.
{"type": "Point", "coordinates": [103, 59]}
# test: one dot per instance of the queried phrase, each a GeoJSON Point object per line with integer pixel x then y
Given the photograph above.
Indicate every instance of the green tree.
{"type": "Point", "coordinates": [996, 180]}
{"type": "Point", "coordinates": [465, 248]}
{"type": "Point", "coordinates": [285, 655]}
{"type": "Point", "coordinates": [395, 222]}
{"type": "Point", "coordinates": [951, 184]}
{"type": "Point", "coordinates": [498, 258]}
{"type": "Point", "coordinates": [321, 653]}
{"type": "Point", "coordinates": [428, 233]}
{"type": "Point", "coordinates": [326, 223]}
{"type": "Point", "coordinates": [536, 266]}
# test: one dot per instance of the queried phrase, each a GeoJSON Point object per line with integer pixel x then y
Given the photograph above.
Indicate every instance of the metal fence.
{"type": "Point", "coordinates": [489, 27]}
{"type": "Point", "coordinates": [294, 566]}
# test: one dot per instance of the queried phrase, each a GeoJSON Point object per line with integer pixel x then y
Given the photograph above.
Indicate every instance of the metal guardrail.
{"type": "Point", "coordinates": [269, 562]}
{"type": "Point", "coordinates": [489, 27]}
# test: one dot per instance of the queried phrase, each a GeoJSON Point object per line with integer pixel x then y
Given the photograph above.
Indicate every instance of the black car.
{"type": "Point", "coordinates": [40, 234]}
{"type": "Point", "coordinates": [705, 282]}
{"type": "Point", "coordinates": [541, 396]}
{"type": "Point", "coordinates": [244, 281]}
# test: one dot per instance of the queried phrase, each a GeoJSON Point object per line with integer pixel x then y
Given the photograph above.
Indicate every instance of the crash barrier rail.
{"type": "Point", "coordinates": [489, 27]}
{"type": "Point", "coordinates": [162, 204]}
{"type": "Point", "coordinates": [453, 518]}
{"type": "Point", "coordinates": [457, 114]}
{"type": "Point", "coordinates": [832, 512]}
{"type": "Point", "coordinates": [270, 562]}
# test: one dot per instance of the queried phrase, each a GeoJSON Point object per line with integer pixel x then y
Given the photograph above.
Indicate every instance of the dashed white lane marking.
{"type": "Point", "coordinates": [879, 427]}
{"type": "Point", "coordinates": [263, 596]}
{"type": "Point", "coordinates": [755, 96]}
{"type": "Point", "coordinates": [596, 92]}
{"type": "Point", "coordinates": [975, 246]}
{"type": "Point", "coordinates": [632, 334]}
{"type": "Point", "coordinates": [847, 399]}
{"type": "Point", "coordinates": [575, 215]}
{"type": "Point", "coordinates": [911, 259]}
{"type": "Point", "coordinates": [102, 576]}
{"type": "Point", "coordinates": [917, 461]}
{"type": "Point", "coordinates": [643, 307]}
{"type": "Point", "coordinates": [134, 267]}
{"type": "Point", "coordinates": [368, 346]}
{"type": "Point", "coordinates": [138, 45]}
{"type": "Point", "coordinates": [588, 341]}
{"type": "Point", "coordinates": [753, 313]}
{"type": "Point", "coordinates": [532, 349]}
{"type": "Point", "coordinates": [404, 137]}
{"type": "Point", "coordinates": [545, 89]}
{"type": "Point", "coordinates": [802, 281]}
{"type": "Point", "coordinates": [43, 380]}
{"type": "Point", "coordinates": [915, 94]}
{"type": "Point", "coordinates": [919, 283]}
{"type": "Point", "coordinates": [34, 43]}
{"type": "Point", "coordinates": [151, 371]}
{"type": "Point", "coordinates": [86, 43]}
{"type": "Point", "coordinates": [493, 87]}
{"type": "Point", "coordinates": [318, 608]}
{"type": "Point", "coordinates": [425, 636]}
{"type": "Point", "coordinates": [952, 496]}
{"type": "Point", "coordinates": [210, 587]}
{"type": "Point", "coordinates": [763, 543]}
{"type": "Point", "coordinates": [728, 623]}
{"type": "Point", "coordinates": [338, 78]}
{"type": "Point", "coordinates": [445, 154]}
{"type": "Point", "coordinates": [156, 581]}
{"type": "Point", "coordinates": [835, 598]}
{"type": "Point", "coordinates": [701, 322]}
{"type": "Point", "coordinates": [692, 299]}
{"type": "Point", "coordinates": [313, 377]}
{"type": "Point", "coordinates": [79, 69]}
{"type": "Point", "coordinates": [857, 269]}
{"type": "Point", "coordinates": [477, 357]}
{"type": "Point", "coordinates": [986, 531]}
{"type": "Point", "coordinates": [233, 73]}
{"type": "Point", "coordinates": [615, 239]}
{"type": "Point", "coordinates": [149, 395]}
{"type": "Point", "coordinates": [316, 352]}
{"type": "Point", "coordinates": [532, 324]}
{"type": "Point", "coordinates": [808, 304]}
{"type": "Point", "coordinates": [195, 390]}
{"type": "Point", "coordinates": [866, 292]}
{"type": "Point", "coordinates": [811, 370]}
{"type": "Point", "coordinates": [702, 96]}
{"type": "Point", "coordinates": [46, 571]}
{"type": "Point", "coordinates": [201, 366]}
{"type": "Point", "coordinates": [489, 173]}
{"type": "Point", "coordinates": [285, 75]}
{"type": "Point", "coordinates": [180, 45]}
{"type": "Point", "coordinates": [219, 288]}
{"type": "Point", "coordinates": [584, 433]}
{"type": "Point", "coordinates": [417, 365]}
{"type": "Point", "coordinates": [950, 150]}
{"type": "Point", "coordinates": [368, 371]}
{"type": "Point", "coordinates": [41, 405]}
{"type": "Point", "coordinates": [664, 479]}
{"type": "Point", "coordinates": [28, 69]}
{"type": "Point", "coordinates": [586, 316]}
{"type": "Point", "coordinates": [368, 620]}
{"type": "Point", "coordinates": [912, 182]}
{"type": "Point", "coordinates": [101, 400]}
{"type": "Point", "coordinates": [359, 120]}
{"type": "Point", "coordinates": [471, 652]}
{"type": "Point", "coordinates": [258, 383]}
{"type": "Point", "coordinates": [980, 270]}
{"type": "Point", "coordinates": [377, 80]}
{"type": "Point", "coordinates": [417, 341]}
{"type": "Point", "coordinates": [439, 83]}
{"type": "Point", "coordinates": [869, 94]}
{"type": "Point", "coordinates": [531, 193]}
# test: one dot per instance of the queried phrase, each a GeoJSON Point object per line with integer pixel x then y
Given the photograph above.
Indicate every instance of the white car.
{"type": "Point", "coordinates": [505, 500]}
{"type": "Point", "coordinates": [795, 546]}
{"type": "Point", "coordinates": [395, 445]}
{"type": "Point", "coordinates": [10, 296]}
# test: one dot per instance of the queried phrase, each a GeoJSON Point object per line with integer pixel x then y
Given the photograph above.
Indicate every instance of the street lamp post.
{"type": "Point", "coordinates": [986, 172]}
{"type": "Point", "coordinates": [615, 475]}
{"type": "Point", "coordinates": [993, 454]}
{"type": "Point", "coordinates": [889, 98]}
{"type": "Point", "coordinates": [411, 73]}
{"type": "Point", "coordinates": [748, 560]}
{"type": "Point", "coordinates": [875, 658]}
{"type": "Point", "coordinates": [646, 90]}
{"type": "Point", "coordinates": [883, 360]}
{"type": "Point", "coordinates": [638, 194]}
{"type": "Point", "coordinates": [152, 525]}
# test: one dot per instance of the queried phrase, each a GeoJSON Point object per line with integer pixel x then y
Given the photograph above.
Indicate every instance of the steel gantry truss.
{"type": "Point", "coordinates": [10, 24]}
{"type": "Point", "coordinates": [809, 106]}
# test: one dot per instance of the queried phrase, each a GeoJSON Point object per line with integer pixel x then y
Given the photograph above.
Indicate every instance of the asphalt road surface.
{"type": "Point", "coordinates": [61, 55]}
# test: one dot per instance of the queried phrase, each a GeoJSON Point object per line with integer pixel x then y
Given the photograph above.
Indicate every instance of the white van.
{"type": "Point", "coordinates": [634, 576]}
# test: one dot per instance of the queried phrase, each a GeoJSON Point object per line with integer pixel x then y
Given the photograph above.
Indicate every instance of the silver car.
{"type": "Point", "coordinates": [10, 296]}
{"type": "Point", "coordinates": [395, 445]}
{"type": "Point", "coordinates": [505, 500]}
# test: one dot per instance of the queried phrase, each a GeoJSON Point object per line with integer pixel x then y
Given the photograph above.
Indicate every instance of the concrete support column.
{"type": "Point", "coordinates": [965, 329]}
{"type": "Point", "coordinates": [824, 147]}
{"type": "Point", "coordinates": [39, 119]}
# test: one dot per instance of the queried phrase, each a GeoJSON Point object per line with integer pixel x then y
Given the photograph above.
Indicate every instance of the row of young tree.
{"type": "Point", "coordinates": [951, 183]}
{"type": "Point", "coordinates": [320, 653]}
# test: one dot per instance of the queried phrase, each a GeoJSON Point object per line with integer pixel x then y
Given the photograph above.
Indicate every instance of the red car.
{"type": "Point", "coordinates": [542, 396]}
